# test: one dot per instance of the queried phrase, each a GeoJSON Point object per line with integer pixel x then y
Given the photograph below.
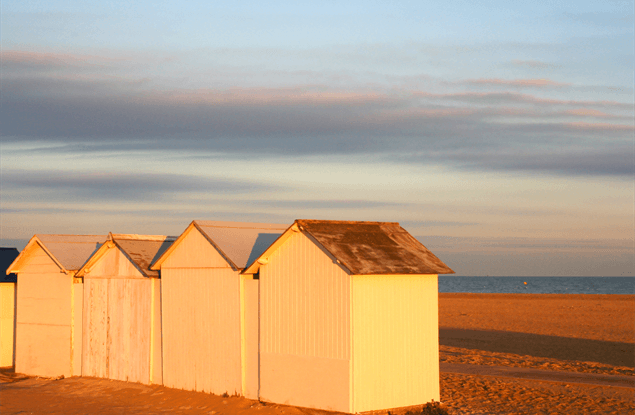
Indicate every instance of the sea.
{"type": "Point", "coordinates": [537, 285]}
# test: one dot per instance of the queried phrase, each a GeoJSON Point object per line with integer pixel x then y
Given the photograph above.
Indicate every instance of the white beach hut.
{"type": "Point", "coordinates": [8, 291]}
{"type": "Point", "coordinates": [348, 317]}
{"type": "Point", "coordinates": [122, 309]}
{"type": "Point", "coordinates": [210, 312]}
{"type": "Point", "coordinates": [49, 304]}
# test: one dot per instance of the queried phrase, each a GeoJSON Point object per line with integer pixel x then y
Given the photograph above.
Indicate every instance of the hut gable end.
{"type": "Point", "coordinates": [68, 252]}
{"type": "Point", "coordinates": [193, 250]}
{"type": "Point", "coordinates": [113, 264]}
{"type": "Point", "coordinates": [38, 261]}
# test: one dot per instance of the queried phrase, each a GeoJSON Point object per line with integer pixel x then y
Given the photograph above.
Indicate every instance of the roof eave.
{"type": "Point", "coordinates": [156, 265]}
{"type": "Point", "coordinates": [335, 258]}
{"type": "Point", "coordinates": [132, 261]}
{"type": "Point", "coordinates": [218, 248]}
{"type": "Point", "coordinates": [254, 267]}
{"type": "Point", "coordinates": [14, 268]}
{"type": "Point", "coordinates": [99, 253]}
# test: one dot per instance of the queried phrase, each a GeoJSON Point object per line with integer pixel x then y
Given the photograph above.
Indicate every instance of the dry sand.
{"type": "Point", "coordinates": [575, 333]}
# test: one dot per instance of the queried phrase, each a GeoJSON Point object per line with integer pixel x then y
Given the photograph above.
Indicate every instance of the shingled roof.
{"type": "Point", "coordinates": [366, 248]}
{"type": "Point", "coordinates": [240, 243]}
{"type": "Point", "coordinates": [69, 252]}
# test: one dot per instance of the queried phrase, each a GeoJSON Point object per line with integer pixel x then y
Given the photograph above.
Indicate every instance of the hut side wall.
{"type": "Point", "coordinates": [249, 341]}
{"type": "Point", "coordinates": [201, 319]}
{"type": "Point", "coordinates": [304, 328]}
{"type": "Point", "coordinates": [395, 341]}
{"type": "Point", "coordinates": [201, 330]}
{"type": "Point", "coordinates": [43, 320]}
{"type": "Point", "coordinates": [7, 323]}
{"type": "Point", "coordinates": [118, 321]}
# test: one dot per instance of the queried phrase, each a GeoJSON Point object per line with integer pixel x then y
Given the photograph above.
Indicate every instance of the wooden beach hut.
{"type": "Point", "coordinates": [348, 317]}
{"type": "Point", "coordinates": [48, 335]}
{"type": "Point", "coordinates": [210, 312]}
{"type": "Point", "coordinates": [8, 291]}
{"type": "Point", "coordinates": [122, 309]}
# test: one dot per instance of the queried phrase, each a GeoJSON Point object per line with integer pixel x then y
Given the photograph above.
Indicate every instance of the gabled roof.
{"type": "Point", "coordinates": [142, 250]}
{"type": "Point", "coordinates": [69, 252]}
{"type": "Point", "coordinates": [7, 256]}
{"type": "Point", "coordinates": [238, 242]}
{"type": "Point", "coordinates": [365, 248]}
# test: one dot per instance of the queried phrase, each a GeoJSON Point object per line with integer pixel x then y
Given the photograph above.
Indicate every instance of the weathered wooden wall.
{"type": "Point", "coordinates": [201, 319]}
{"type": "Point", "coordinates": [249, 341]}
{"type": "Point", "coordinates": [119, 316]}
{"type": "Point", "coordinates": [156, 345]}
{"type": "Point", "coordinates": [395, 341]}
{"type": "Point", "coordinates": [77, 323]}
{"type": "Point", "coordinates": [305, 339]}
{"type": "Point", "coordinates": [43, 320]}
{"type": "Point", "coordinates": [7, 323]}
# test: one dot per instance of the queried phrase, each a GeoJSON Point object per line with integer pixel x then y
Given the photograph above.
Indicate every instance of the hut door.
{"type": "Point", "coordinates": [117, 329]}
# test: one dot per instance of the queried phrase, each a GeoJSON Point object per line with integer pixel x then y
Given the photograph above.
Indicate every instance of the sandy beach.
{"type": "Point", "coordinates": [580, 334]}
{"type": "Point", "coordinates": [553, 332]}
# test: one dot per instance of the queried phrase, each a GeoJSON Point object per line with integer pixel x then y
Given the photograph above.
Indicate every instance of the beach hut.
{"type": "Point", "coordinates": [348, 317]}
{"type": "Point", "coordinates": [8, 292]}
{"type": "Point", "coordinates": [48, 337]}
{"type": "Point", "coordinates": [122, 309]}
{"type": "Point", "coordinates": [210, 311]}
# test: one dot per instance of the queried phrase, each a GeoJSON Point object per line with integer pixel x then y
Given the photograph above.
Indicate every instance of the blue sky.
{"type": "Point", "coordinates": [498, 133]}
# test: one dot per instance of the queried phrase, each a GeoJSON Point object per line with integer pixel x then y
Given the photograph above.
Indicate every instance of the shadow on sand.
{"type": "Point", "coordinates": [563, 348]}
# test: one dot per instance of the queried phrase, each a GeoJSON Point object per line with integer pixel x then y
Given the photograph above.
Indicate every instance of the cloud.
{"type": "Point", "coordinates": [533, 64]}
{"type": "Point", "coordinates": [532, 83]}
{"type": "Point", "coordinates": [515, 98]}
{"type": "Point", "coordinates": [326, 204]}
{"type": "Point", "coordinates": [510, 244]}
{"type": "Point", "coordinates": [80, 109]}
{"type": "Point", "coordinates": [616, 161]}
{"type": "Point", "coordinates": [436, 223]}
{"type": "Point", "coordinates": [588, 112]}
{"type": "Point", "coordinates": [59, 185]}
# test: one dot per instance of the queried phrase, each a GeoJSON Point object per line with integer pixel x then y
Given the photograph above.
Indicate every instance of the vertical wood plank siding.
{"type": "Point", "coordinates": [77, 328]}
{"type": "Point", "coordinates": [156, 363]}
{"type": "Point", "coordinates": [395, 344]}
{"type": "Point", "coordinates": [201, 330]}
{"type": "Point", "coordinates": [114, 264]}
{"type": "Point", "coordinates": [7, 323]}
{"type": "Point", "coordinates": [250, 330]}
{"type": "Point", "coordinates": [43, 320]}
{"type": "Point", "coordinates": [200, 299]}
{"type": "Point", "coordinates": [305, 328]}
{"type": "Point", "coordinates": [117, 329]}
{"type": "Point", "coordinates": [304, 302]}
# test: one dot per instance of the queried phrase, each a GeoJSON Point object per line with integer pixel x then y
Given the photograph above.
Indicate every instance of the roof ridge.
{"type": "Point", "coordinates": [347, 221]}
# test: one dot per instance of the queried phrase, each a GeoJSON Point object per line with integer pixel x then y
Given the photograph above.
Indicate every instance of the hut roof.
{"type": "Point", "coordinates": [239, 243]}
{"type": "Point", "coordinates": [69, 252]}
{"type": "Point", "coordinates": [142, 250]}
{"type": "Point", "coordinates": [7, 256]}
{"type": "Point", "coordinates": [366, 248]}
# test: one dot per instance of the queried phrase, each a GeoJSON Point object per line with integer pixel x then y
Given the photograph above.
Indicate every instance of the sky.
{"type": "Point", "coordinates": [500, 134]}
